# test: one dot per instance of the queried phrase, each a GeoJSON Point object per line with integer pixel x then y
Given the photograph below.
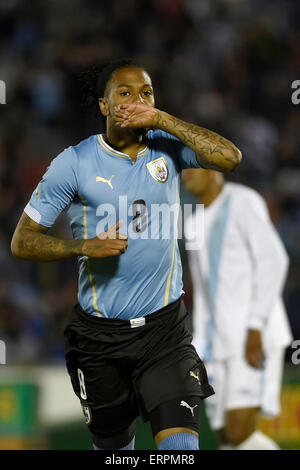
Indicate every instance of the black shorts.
{"type": "Point", "coordinates": [119, 371]}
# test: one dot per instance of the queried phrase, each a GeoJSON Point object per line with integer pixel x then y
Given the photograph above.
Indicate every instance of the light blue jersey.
{"type": "Point", "coordinates": [99, 186]}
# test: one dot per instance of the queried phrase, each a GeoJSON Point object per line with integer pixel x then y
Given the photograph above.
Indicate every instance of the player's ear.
{"type": "Point", "coordinates": [103, 105]}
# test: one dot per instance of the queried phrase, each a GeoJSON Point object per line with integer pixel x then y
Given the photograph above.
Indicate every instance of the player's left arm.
{"type": "Point", "coordinates": [212, 150]}
{"type": "Point", "coordinates": [269, 270]}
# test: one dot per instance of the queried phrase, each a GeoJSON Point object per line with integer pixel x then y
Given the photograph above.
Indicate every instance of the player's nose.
{"type": "Point", "coordinates": [138, 98]}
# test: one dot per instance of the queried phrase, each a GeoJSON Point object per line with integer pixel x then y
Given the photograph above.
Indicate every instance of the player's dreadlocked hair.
{"type": "Point", "coordinates": [94, 81]}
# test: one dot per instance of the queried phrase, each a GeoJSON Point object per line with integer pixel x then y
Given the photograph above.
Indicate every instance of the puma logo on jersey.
{"type": "Point", "coordinates": [191, 408]}
{"type": "Point", "coordinates": [196, 376]}
{"type": "Point", "coordinates": [99, 178]}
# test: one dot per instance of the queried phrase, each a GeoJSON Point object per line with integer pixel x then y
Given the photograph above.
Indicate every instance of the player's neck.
{"type": "Point", "coordinates": [127, 141]}
{"type": "Point", "coordinates": [211, 194]}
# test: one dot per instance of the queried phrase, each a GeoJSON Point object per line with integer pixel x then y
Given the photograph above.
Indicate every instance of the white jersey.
{"type": "Point", "coordinates": [238, 276]}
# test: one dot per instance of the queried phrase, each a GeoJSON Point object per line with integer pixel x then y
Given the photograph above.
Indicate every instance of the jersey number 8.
{"type": "Point", "coordinates": [139, 212]}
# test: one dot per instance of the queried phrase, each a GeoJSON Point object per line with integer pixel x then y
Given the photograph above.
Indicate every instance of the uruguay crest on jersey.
{"type": "Point", "coordinates": [158, 169]}
{"type": "Point", "coordinates": [87, 414]}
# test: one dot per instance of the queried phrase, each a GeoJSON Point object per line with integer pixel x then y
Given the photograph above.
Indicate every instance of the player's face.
{"type": "Point", "coordinates": [197, 181]}
{"type": "Point", "coordinates": [127, 85]}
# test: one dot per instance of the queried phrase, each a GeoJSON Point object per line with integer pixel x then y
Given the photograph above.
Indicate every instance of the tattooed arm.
{"type": "Point", "coordinates": [31, 243]}
{"type": "Point", "coordinates": [213, 151]}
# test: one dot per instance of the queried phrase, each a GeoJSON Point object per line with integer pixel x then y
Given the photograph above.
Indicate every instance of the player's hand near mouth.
{"type": "Point", "coordinates": [136, 115]}
{"type": "Point", "coordinates": [212, 150]}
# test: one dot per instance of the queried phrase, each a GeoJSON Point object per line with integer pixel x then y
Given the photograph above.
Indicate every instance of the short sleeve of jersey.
{"type": "Point", "coordinates": [55, 191]}
{"type": "Point", "coordinates": [185, 156]}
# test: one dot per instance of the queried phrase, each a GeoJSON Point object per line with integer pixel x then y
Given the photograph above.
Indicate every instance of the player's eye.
{"type": "Point", "coordinates": [148, 93]}
{"type": "Point", "coordinates": [124, 93]}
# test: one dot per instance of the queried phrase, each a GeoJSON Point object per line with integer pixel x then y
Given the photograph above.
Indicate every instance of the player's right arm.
{"type": "Point", "coordinates": [30, 242]}
{"type": "Point", "coordinates": [55, 191]}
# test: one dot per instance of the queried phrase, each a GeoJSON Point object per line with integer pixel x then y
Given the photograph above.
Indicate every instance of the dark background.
{"type": "Point", "coordinates": [225, 65]}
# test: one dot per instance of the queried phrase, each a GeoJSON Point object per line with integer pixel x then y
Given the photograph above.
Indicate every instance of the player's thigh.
{"type": "Point", "coordinates": [243, 395]}
{"type": "Point", "coordinates": [176, 376]}
{"type": "Point", "coordinates": [244, 384]}
{"type": "Point", "coordinates": [176, 416]}
{"type": "Point", "coordinates": [105, 394]}
{"type": "Point", "coordinates": [237, 387]}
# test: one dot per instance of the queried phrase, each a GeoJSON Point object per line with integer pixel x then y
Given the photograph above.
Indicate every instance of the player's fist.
{"type": "Point", "coordinates": [136, 115]}
{"type": "Point", "coordinates": [254, 350]}
{"type": "Point", "coordinates": [108, 243]}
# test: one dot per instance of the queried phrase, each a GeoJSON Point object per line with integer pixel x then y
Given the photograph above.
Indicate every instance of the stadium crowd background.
{"type": "Point", "coordinates": [225, 65]}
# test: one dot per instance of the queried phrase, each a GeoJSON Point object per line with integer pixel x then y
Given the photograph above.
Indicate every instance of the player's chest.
{"type": "Point", "coordinates": [152, 180]}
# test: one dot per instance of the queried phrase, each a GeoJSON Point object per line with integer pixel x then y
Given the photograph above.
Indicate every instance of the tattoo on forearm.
{"type": "Point", "coordinates": [211, 148]}
{"type": "Point", "coordinates": [40, 247]}
{"type": "Point", "coordinates": [33, 244]}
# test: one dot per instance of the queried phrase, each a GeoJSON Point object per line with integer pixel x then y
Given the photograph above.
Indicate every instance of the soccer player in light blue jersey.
{"type": "Point", "coordinates": [128, 347]}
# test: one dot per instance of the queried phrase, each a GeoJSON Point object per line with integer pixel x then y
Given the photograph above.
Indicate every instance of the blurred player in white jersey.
{"type": "Point", "coordinates": [240, 324]}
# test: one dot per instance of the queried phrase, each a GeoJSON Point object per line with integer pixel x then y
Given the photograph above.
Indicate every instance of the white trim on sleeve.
{"type": "Point", "coordinates": [33, 213]}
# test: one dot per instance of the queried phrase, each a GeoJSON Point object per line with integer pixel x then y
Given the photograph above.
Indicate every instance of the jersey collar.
{"type": "Point", "coordinates": [116, 153]}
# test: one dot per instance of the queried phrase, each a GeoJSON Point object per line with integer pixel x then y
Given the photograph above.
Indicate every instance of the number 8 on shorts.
{"type": "Point", "coordinates": [82, 384]}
